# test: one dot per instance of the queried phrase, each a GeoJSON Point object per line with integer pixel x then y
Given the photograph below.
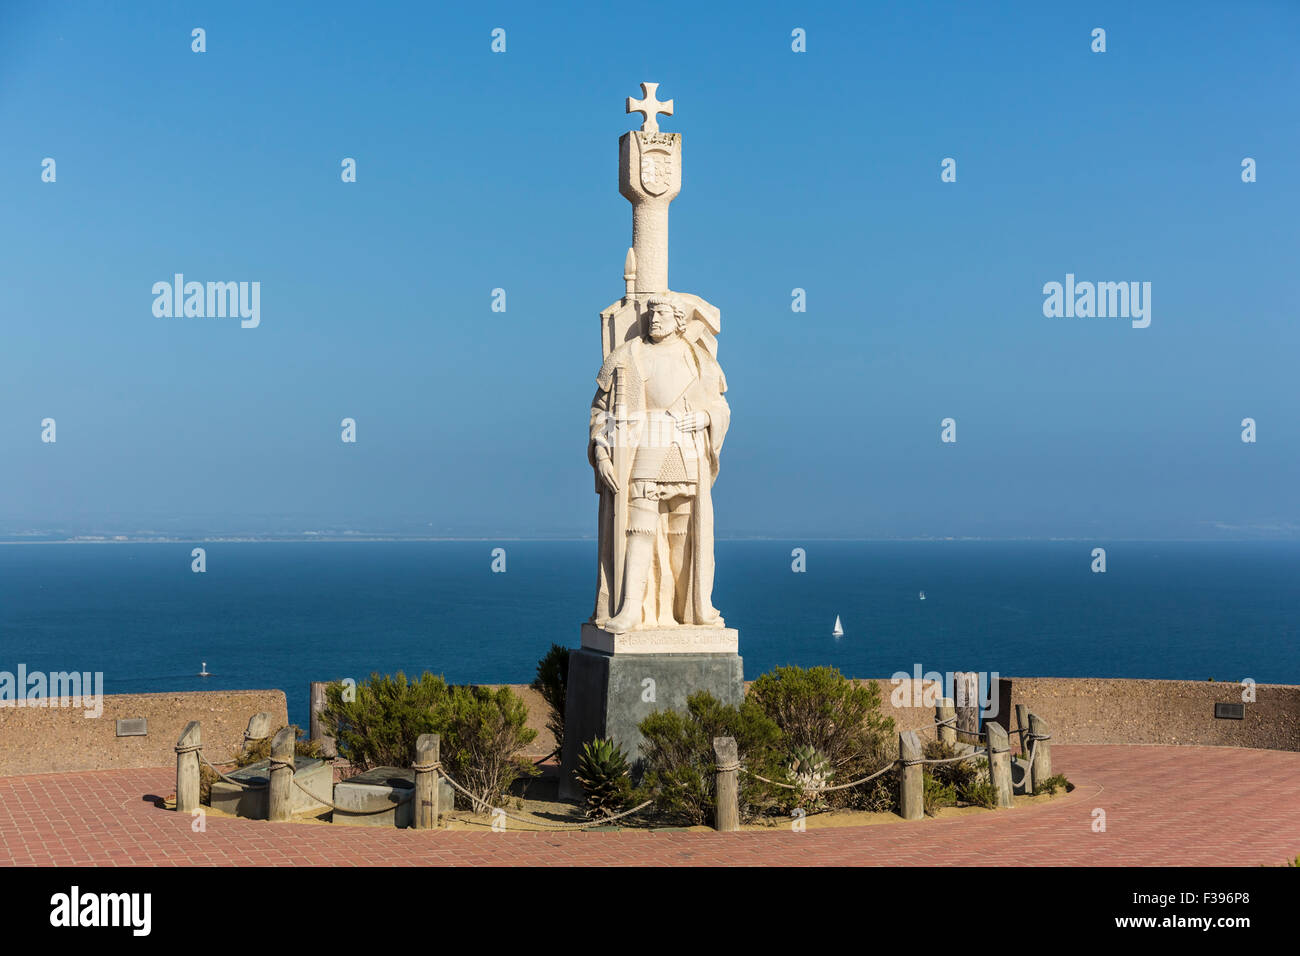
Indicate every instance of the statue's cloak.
{"type": "Point", "coordinates": [706, 394]}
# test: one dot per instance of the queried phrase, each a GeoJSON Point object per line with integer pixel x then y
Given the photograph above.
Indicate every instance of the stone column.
{"type": "Point", "coordinates": [1040, 735]}
{"type": "Point", "coordinates": [999, 753]}
{"type": "Point", "coordinates": [1022, 729]}
{"type": "Point", "coordinates": [259, 728]}
{"type": "Point", "coordinates": [966, 689]}
{"type": "Point", "coordinates": [426, 781]}
{"type": "Point", "coordinates": [187, 768]}
{"type": "Point", "coordinates": [911, 788]}
{"type": "Point", "coordinates": [725, 753]}
{"type": "Point", "coordinates": [650, 177]}
{"type": "Point", "coordinates": [945, 710]}
{"type": "Point", "coordinates": [316, 694]}
{"type": "Point", "coordinates": [279, 799]}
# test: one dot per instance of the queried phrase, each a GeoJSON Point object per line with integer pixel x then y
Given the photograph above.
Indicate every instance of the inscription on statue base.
{"type": "Point", "coordinates": [685, 639]}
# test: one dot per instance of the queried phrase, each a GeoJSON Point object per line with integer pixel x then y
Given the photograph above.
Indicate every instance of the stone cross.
{"type": "Point", "coordinates": [648, 106]}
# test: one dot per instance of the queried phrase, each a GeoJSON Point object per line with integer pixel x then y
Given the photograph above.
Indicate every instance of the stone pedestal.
{"type": "Point", "coordinates": [616, 681]}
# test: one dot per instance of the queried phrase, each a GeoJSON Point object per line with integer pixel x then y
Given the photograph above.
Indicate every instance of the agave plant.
{"type": "Point", "coordinates": [810, 771]}
{"type": "Point", "coordinates": [603, 772]}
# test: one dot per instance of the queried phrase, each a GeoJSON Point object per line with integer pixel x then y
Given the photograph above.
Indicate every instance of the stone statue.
{"type": "Point", "coordinates": [658, 422]}
{"type": "Point", "coordinates": [658, 418]}
{"type": "Point", "coordinates": [657, 425]}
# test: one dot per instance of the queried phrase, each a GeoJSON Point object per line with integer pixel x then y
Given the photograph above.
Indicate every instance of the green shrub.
{"type": "Point", "coordinates": [604, 773]}
{"type": "Point", "coordinates": [552, 683]}
{"type": "Point", "coordinates": [968, 779]}
{"type": "Point", "coordinates": [483, 731]}
{"type": "Point", "coordinates": [878, 796]}
{"type": "Point", "coordinates": [680, 766]}
{"type": "Point", "coordinates": [958, 774]}
{"type": "Point", "coordinates": [979, 793]}
{"type": "Point", "coordinates": [937, 794]}
{"type": "Point", "coordinates": [380, 726]}
{"type": "Point", "coordinates": [1052, 784]}
{"type": "Point", "coordinates": [818, 707]}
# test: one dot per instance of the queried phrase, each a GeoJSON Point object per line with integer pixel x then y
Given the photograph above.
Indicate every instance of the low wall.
{"type": "Point", "coordinates": [1103, 711]}
{"type": "Point", "coordinates": [50, 739]}
{"type": "Point", "coordinates": [1080, 711]}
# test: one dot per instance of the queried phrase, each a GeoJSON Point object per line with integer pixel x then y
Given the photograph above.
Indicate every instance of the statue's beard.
{"type": "Point", "coordinates": [659, 333]}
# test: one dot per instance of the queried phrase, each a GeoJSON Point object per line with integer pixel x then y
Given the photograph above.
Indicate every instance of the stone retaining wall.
{"type": "Point", "coordinates": [1092, 710]}
{"type": "Point", "coordinates": [51, 739]}
{"type": "Point", "coordinates": [1080, 710]}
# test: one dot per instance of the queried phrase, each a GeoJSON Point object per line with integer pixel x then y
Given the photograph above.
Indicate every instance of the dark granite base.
{"type": "Point", "coordinates": [607, 697]}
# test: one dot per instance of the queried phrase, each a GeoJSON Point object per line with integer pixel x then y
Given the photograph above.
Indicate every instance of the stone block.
{"type": "Point", "coordinates": [316, 775]}
{"type": "Point", "coordinates": [383, 787]}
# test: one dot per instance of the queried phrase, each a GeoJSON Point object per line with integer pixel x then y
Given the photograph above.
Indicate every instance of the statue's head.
{"type": "Point", "coordinates": [667, 317]}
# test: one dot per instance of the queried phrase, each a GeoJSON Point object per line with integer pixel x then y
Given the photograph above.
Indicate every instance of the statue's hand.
{"type": "Point", "coordinates": [605, 468]}
{"type": "Point", "coordinates": [695, 421]}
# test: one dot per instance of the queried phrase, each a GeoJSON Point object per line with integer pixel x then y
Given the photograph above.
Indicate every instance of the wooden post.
{"type": "Point", "coordinates": [316, 693]}
{"type": "Point", "coordinates": [1041, 740]}
{"type": "Point", "coordinates": [1022, 728]}
{"type": "Point", "coordinates": [911, 787]}
{"type": "Point", "coordinates": [281, 790]}
{"type": "Point", "coordinates": [426, 781]}
{"type": "Point", "coordinates": [945, 710]}
{"type": "Point", "coordinates": [259, 728]}
{"type": "Point", "coordinates": [967, 691]}
{"type": "Point", "coordinates": [187, 768]}
{"type": "Point", "coordinates": [725, 753]}
{"type": "Point", "coordinates": [999, 751]}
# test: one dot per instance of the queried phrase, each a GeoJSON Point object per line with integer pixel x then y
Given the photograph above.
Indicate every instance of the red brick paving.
{"type": "Point", "coordinates": [1172, 806]}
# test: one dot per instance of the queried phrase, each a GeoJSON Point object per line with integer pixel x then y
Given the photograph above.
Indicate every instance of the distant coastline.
{"type": "Point", "coordinates": [346, 536]}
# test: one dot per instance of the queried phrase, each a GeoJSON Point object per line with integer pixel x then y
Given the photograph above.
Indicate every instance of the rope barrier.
{"type": "Point", "coordinates": [545, 823]}
{"type": "Point", "coordinates": [237, 783]}
{"type": "Point", "coordinates": [364, 813]}
{"type": "Point", "coordinates": [976, 755]}
{"type": "Point", "coordinates": [857, 783]}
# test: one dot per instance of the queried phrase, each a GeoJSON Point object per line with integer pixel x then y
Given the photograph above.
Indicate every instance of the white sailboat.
{"type": "Point", "coordinates": [838, 630]}
{"type": "Point", "coordinates": [922, 595]}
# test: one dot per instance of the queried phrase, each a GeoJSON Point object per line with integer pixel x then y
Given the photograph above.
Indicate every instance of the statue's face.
{"type": "Point", "coordinates": [662, 323]}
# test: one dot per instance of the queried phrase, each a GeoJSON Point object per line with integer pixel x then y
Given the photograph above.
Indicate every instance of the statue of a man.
{"type": "Point", "coordinates": [660, 408]}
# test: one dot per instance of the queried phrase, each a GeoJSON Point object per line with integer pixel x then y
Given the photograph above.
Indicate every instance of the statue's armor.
{"type": "Point", "coordinates": [664, 452]}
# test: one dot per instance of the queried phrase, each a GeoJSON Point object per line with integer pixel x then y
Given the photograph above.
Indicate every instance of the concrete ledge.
{"type": "Point", "coordinates": [53, 739]}
{"type": "Point", "coordinates": [1093, 710]}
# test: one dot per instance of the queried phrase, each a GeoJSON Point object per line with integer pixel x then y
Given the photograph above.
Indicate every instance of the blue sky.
{"type": "Point", "coordinates": [817, 170]}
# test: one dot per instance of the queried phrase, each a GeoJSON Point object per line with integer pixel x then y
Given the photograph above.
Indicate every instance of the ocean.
{"type": "Point", "coordinates": [282, 614]}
